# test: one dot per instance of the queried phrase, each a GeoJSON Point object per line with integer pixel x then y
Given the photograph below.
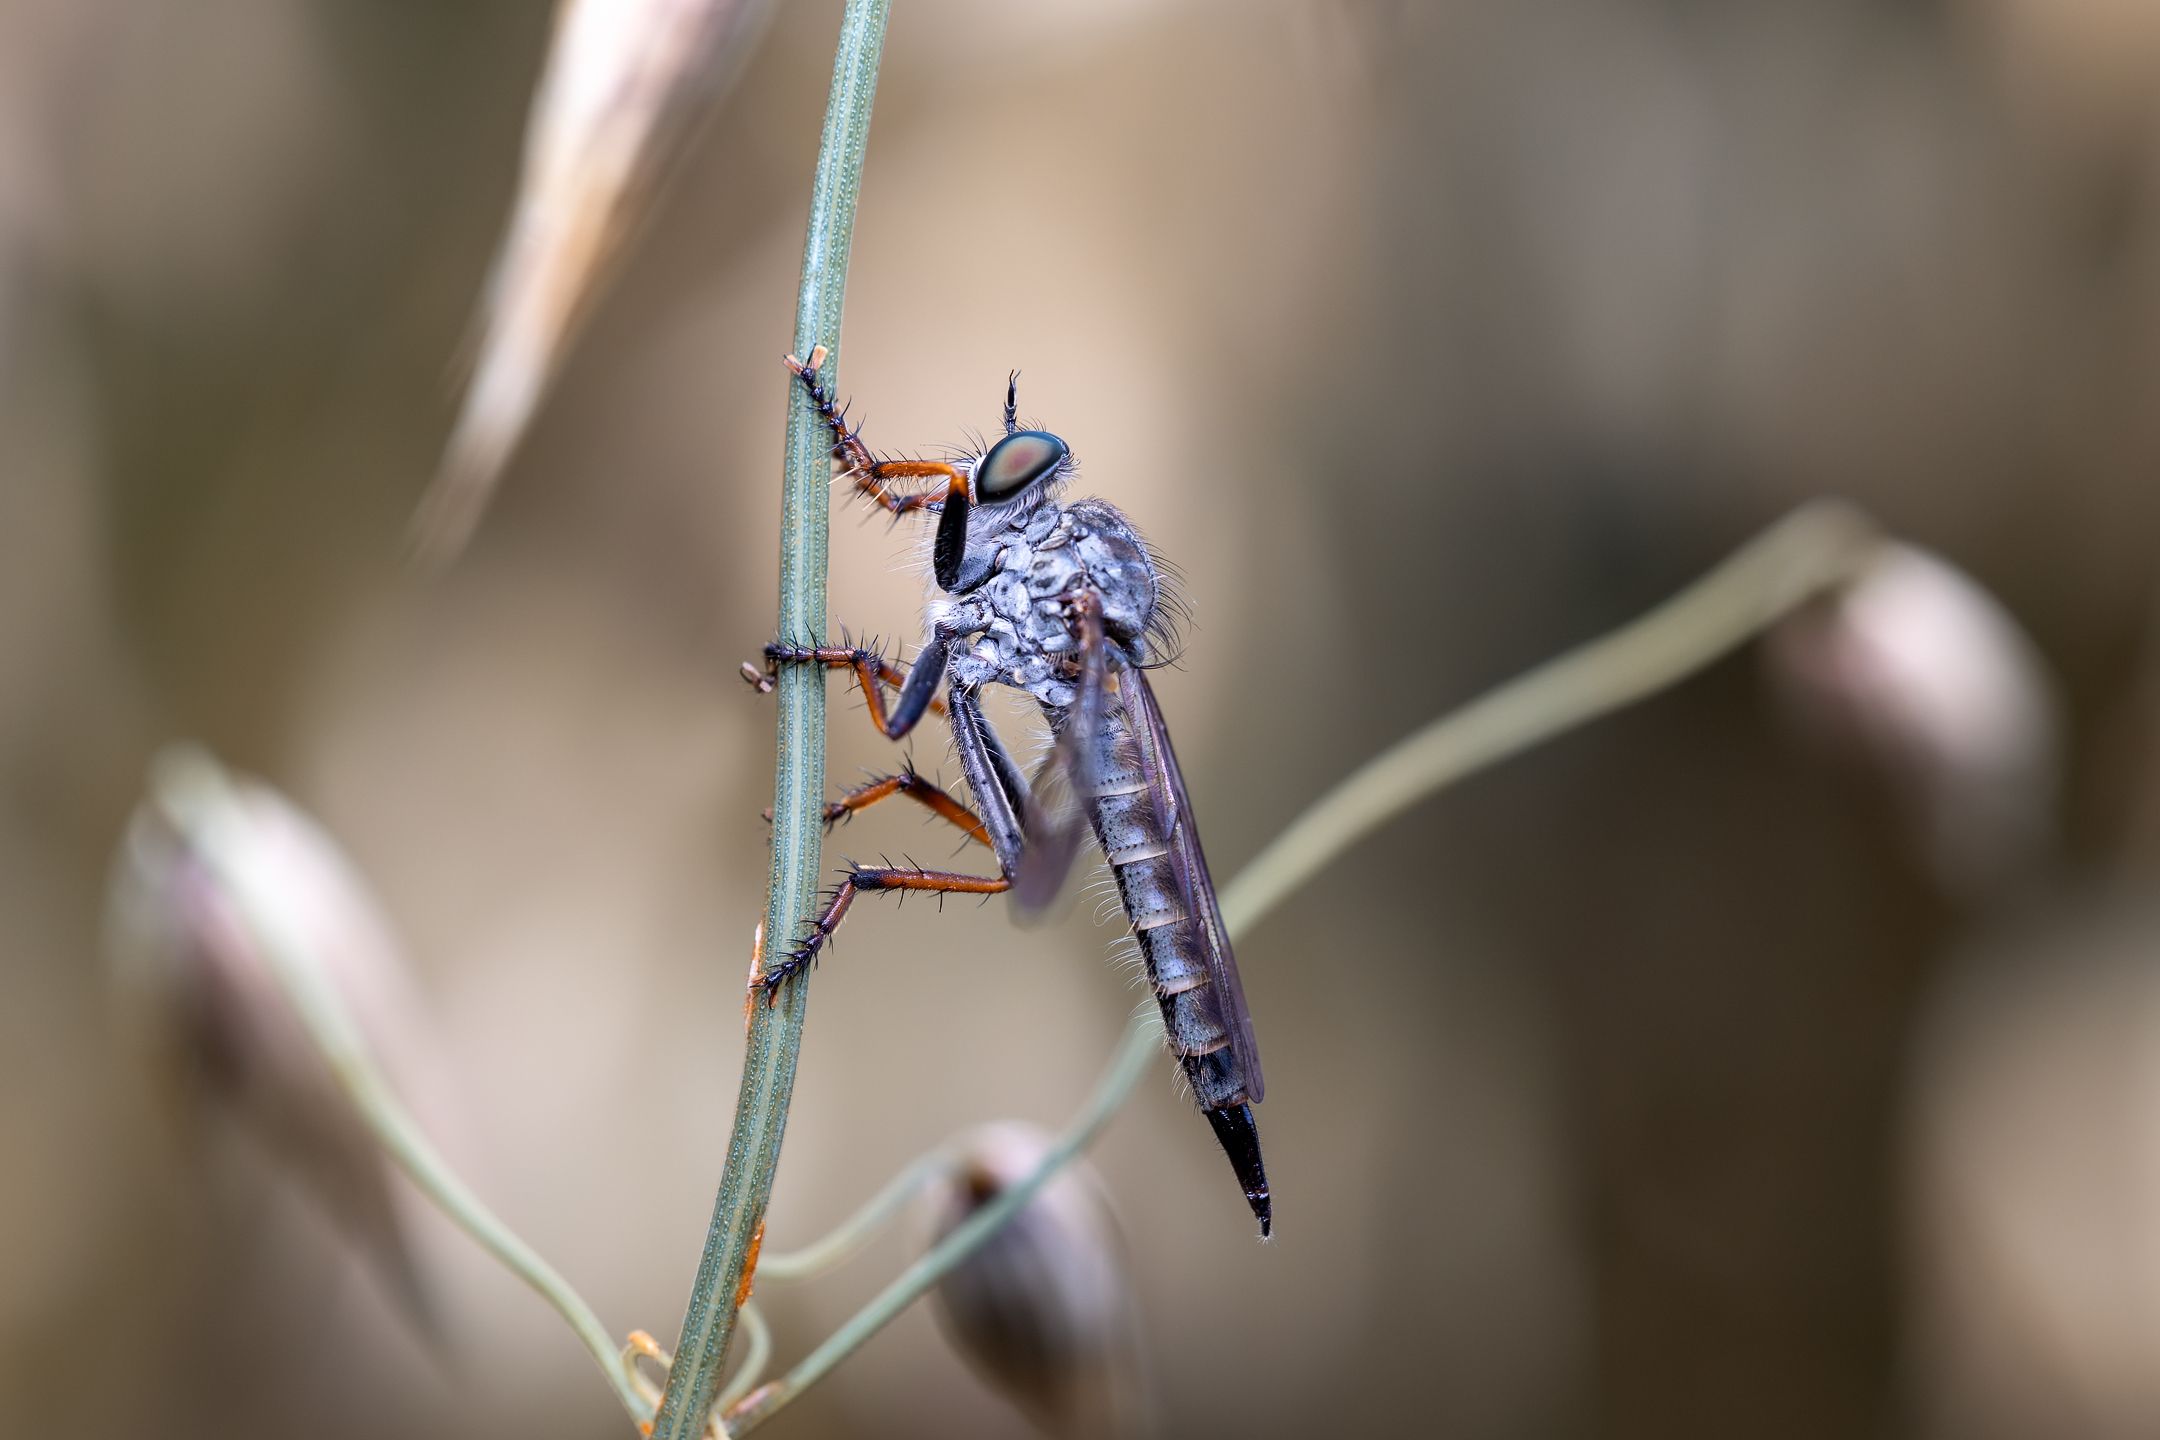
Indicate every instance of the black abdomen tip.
{"type": "Point", "coordinates": [1240, 1140]}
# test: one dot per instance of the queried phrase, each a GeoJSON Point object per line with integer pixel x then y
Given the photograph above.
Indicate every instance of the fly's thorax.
{"type": "Point", "coordinates": [1020, 573]}
{"type": "Point", "coordinates": [1015, 612]}
{"type": "Point", "coordinates": [1008, 639]}
{"type": "Point", "coordinates": [1119, 567]}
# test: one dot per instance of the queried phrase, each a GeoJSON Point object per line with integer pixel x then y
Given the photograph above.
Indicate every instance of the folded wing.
{"type": "Point", "coordinates": [1167, 784]}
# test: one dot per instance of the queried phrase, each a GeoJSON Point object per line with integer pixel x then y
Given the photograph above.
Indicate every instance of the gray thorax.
{"type": "Point", "coordinates": [1010, 624]}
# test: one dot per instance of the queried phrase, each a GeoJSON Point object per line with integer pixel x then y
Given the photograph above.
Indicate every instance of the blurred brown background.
{"type": "Point", "coordinates": [1655, 1085]}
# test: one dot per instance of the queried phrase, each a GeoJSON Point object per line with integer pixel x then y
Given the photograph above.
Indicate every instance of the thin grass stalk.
{"type": "Point", "coordinates": [838, 1245]}
{"type": "Point", "coordinates": [727, 1265]}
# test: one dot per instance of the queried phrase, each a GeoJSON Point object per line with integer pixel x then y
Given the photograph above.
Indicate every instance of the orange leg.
{"type": "Point", "coordinates": [909, 783]}
{"type": "Point", "coordinates": [871, 476]}
{"type": "Point", "coordinates": [859, 878]}
{"type": "Point", "coordinates": [873, 673]}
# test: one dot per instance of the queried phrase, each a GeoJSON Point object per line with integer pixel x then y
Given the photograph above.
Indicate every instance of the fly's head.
{"type": "Point", "coordinates": [1007, 485]}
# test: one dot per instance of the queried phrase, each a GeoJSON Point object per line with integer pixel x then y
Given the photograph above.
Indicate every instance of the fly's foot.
{"type": "Point", "coordinates": [847, 655]}
{"type": "Point", "coordinates": [783, 968]}
{"type": "Point", "coordinates": [791, 963]}
{"type": "Point", "coordinates": [873, 674]}
{"type": "Point", "coordinates": [835, 812]}
{"type": "Point", "coordinates": [847, 447]}
{"type": "Point", "coordinates": [903, 879]}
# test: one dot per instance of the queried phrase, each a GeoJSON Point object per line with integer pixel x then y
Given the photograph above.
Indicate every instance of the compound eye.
{"type": "Point", "coordinates": [1016, 462]}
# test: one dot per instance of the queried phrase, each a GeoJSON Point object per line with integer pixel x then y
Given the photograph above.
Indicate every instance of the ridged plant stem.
{"type": "Point", "coordinates": [728, 1264]}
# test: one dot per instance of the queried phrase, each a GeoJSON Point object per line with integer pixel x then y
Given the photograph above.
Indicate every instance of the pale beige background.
{"type": "Point", "coordinates": [1427, 338]}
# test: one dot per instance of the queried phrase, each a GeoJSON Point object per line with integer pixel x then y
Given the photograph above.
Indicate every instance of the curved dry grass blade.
{"type": "Point", "coordinates": [199, 985]}
{"type": "Point", "coordinates": [283, 922]}
{"type": "Point", "coordinates": [625, 82]}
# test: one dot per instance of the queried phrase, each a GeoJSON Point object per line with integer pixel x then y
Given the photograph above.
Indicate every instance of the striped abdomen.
{"type": "Point", "coordinates": [1136, 841]}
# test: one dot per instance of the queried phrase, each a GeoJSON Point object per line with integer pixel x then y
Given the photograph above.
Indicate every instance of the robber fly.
{"type": "Point", "coordinates": [1060, 600]}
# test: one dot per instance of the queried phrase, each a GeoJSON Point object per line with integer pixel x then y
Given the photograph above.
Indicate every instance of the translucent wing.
{"type": "Point", "coordinates": [1167, 785]}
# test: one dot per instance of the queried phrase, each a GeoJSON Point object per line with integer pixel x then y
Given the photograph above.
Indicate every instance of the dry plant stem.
{"type": "Point", "coordinates": [1810, 551]}
{"type": "Point", "coordinates": [199, 799]}
{"type": "Point", "coordinates": [1814, 549]}
{"type": "Point", "coordinates": [775, 1031]}
{"type": "Point", "coordinates": [851, 1234]}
